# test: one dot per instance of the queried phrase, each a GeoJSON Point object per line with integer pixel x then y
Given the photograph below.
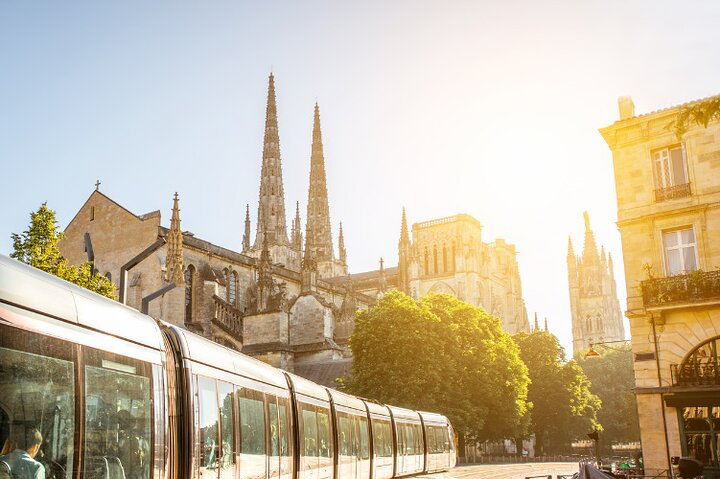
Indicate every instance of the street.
{"type": "Point", "coordinates": [508, 471]}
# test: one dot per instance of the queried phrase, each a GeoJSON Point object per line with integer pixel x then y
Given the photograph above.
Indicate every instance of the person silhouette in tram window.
{"type": "Point", "coordinates": [132, 447]}
{"type": "Point", "coordinates": [21, 461]}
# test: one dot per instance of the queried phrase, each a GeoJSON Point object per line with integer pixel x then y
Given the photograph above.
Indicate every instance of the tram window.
{"type": "Point", "coordinates": [251, 406]}
{"type": "Point", "coordinates": [417, 436]}
{"type": "Point", "coordinates": [344, 435]}
{"type": "Point", "coordinates": [442, 439]}
{"type": "Point", "coordinates": [364, 439]}
{"type": "Point", "coordinates": [284, 433]}
{"type": "Point", "coordinates": [227, 457]}
{"type": "Point", "coordinates": [118, 412]}
{"type": "Point", "coordinates": [382, 438]}
{"type": "Point", "coordinates": [324, 441]}
{"type": "Point", "coordinates": [209, 415]}
{"type": "Point", "coordinates": [274, 433]}
{"type": "Point", "coordinates": [309, 417]}
{"type": "Point", "coordinates": [401, 439]}
{"type": "Point", "coordinates": [37, 385]}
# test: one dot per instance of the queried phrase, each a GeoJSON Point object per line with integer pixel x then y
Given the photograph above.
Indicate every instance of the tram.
{"type": "Point", "coordinates": [93, 389]}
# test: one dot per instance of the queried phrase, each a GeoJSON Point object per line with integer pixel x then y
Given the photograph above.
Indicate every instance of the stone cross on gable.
{"type": "Point", "coordinates": [97, 185]}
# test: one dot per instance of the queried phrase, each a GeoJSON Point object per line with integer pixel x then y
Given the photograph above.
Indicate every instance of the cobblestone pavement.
{"type": "Point", "coordinates": [508, 471]}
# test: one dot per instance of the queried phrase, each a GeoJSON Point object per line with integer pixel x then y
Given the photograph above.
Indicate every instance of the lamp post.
{"type": "Point", "coordinates": [591, 353]}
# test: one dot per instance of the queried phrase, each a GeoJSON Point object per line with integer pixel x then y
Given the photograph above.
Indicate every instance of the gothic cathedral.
{"type": "Point", "coordinates": [595, 309]}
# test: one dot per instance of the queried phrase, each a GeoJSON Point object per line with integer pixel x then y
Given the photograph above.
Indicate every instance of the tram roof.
{"type": "Point", "coordinates": [308, 388]}
{"type": "Point", "coordinates": [31, 288]}
{"type": "Point", "coordinates": [377, 408]}
{"type": "Point", "coordinates": [433, 418]}
{"type": "Point", "coordinates": [342, 399]}
{"type": "Point", "coordinates": [402, 413]}
{"type": "Point", "coordinates": [201, 350]}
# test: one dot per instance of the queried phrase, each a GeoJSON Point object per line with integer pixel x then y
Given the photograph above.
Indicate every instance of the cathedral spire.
{"type": "Point", "coordinates": [308, 270]}
{"type": "Point", "coordinates": [537, 325]}
{"type": "Point", "coordinates": [271, 206]}
{"type": "Point", "coordinates": [590, 252]}
{"type": "Point", "coordinates": [610, 267]}
{"type": "Point", "coordinates": [404, 253]}
{"type": "Point", "coordinates": [246, 235]}
{"type": "Point", "coordinates": [174, 261]}
{"type": "Point", "coordinates": [318, 209]}
{"type": "Point", "coordinates": [341, 246]}
{"type": "Point", "coordinates": [382, 286]}
{"type": "Point", "coordinates": [296, 235]}
{"type": "Point", "coordinates": [546, 328]}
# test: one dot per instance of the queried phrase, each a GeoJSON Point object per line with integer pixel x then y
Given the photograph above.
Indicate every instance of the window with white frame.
{"type": "Point", "coordinates": [680, 251]}
{"type": "Point", "coordinates": [670, 168]}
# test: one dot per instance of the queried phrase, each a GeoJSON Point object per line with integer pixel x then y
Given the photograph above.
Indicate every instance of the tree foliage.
{"type": "Point", "coordinates": [700, 113]}
{"type": "Point", "coordinates": [38, 247]}
{"type": "Point", "coordinates": [612, 379]}
{"type": "Point", "coordinates": [441, 354]}
{"type": "Point", "coordinates": [563, 407]}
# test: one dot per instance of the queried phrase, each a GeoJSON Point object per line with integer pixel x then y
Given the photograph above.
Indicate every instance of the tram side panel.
{"type": "Point", "coordinates": [383, 457]}
{"type": "Point", "coordinates": [242, 410]}
{"type": "Point", "coordinates": [315, 429]}
{"type": "Point", "coordinates": [97, 401]}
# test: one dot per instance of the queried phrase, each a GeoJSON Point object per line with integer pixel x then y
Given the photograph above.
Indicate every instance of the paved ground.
{"type": "Point", "coordinates": [508, 471]}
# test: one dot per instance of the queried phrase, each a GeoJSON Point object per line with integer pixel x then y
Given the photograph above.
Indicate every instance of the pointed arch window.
{"type": "Point", "coordinates": [189, 280]}
{"type": "Point", "coordinates": [453, 256]}
{"type": "Point", "coordinates": [232, 279]}
{"type": "Point", "coordinates": [435, 259]}
{"type": "Point", "coordinates": [427, 266]}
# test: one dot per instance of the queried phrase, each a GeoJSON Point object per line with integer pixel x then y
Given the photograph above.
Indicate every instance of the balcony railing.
{"type": "Point", "coordinates": [693, 374]}
{"type": "Point", "coordinates": [672, 192]}
{"type": "Point", "coordinates": [698, 286]}
{"type": "Point", "coordinates": [228, 317]}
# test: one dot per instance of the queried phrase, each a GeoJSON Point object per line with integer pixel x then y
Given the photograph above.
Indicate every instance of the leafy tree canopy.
{"type": "Point", "coordinates": [441, 354]}
{"type": "Point", "coordinates": [612, 379]}
{"type": "Point", "coordinates": [700, 113]}
{"type": "Point", "coordinates": [38, 247]}
{"type": "Point", "coordinates": [563, 407]}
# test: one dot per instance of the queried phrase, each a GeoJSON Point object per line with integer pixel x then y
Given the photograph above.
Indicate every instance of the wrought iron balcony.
{"type": "Point", "coordinates": [672, 192]}
{"type": "Point", "coordinates": [698, 286]}
{"type": "Point", "coordinates": [694, 374]}
{"type": "Point", "coordinates": [227, 317]}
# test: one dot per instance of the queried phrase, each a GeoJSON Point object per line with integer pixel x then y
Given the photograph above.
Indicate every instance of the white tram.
{"type": "Point", "coordinates": [117, 395]}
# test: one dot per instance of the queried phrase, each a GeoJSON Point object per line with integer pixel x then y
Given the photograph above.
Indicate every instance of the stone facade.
{"type": "Point", "coordinates": [594, 306]}
{"type": "Point", "coordinates": [287, 303]}
{"type": "Point", "coordinates": [447, 255]}
{"type": "Point", "coordinates": [668, 192]}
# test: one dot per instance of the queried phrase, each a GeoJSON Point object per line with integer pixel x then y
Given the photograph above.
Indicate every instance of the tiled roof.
{"type": "Point", "coordinates": [325, 372]}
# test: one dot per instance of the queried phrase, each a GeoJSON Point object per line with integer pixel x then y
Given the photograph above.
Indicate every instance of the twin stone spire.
{"type": "Point", "coordinates": [271, 225]}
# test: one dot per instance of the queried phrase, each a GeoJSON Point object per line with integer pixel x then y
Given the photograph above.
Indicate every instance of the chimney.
{"type": "Point", "coordinates": [626, 107]}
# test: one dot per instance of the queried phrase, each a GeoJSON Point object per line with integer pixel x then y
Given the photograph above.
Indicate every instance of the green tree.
{"type": "Point", "coordinates": [563, 408]}
{"type": "Point", "coordinates": [612, 379]}
{"type": "Point", "coordinates": [440, 354]}
{"type": "Point", "coordinates": [38, 247]}
{"type": "Point", "coordinates": [700, 113]}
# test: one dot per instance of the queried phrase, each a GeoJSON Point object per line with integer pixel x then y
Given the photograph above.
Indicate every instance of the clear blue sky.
{"type": "Point", "coordinates": [487, 108]}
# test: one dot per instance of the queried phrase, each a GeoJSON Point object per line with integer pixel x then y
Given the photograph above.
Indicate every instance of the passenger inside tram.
{"type": "Point", "coordinates": [20, 463]}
